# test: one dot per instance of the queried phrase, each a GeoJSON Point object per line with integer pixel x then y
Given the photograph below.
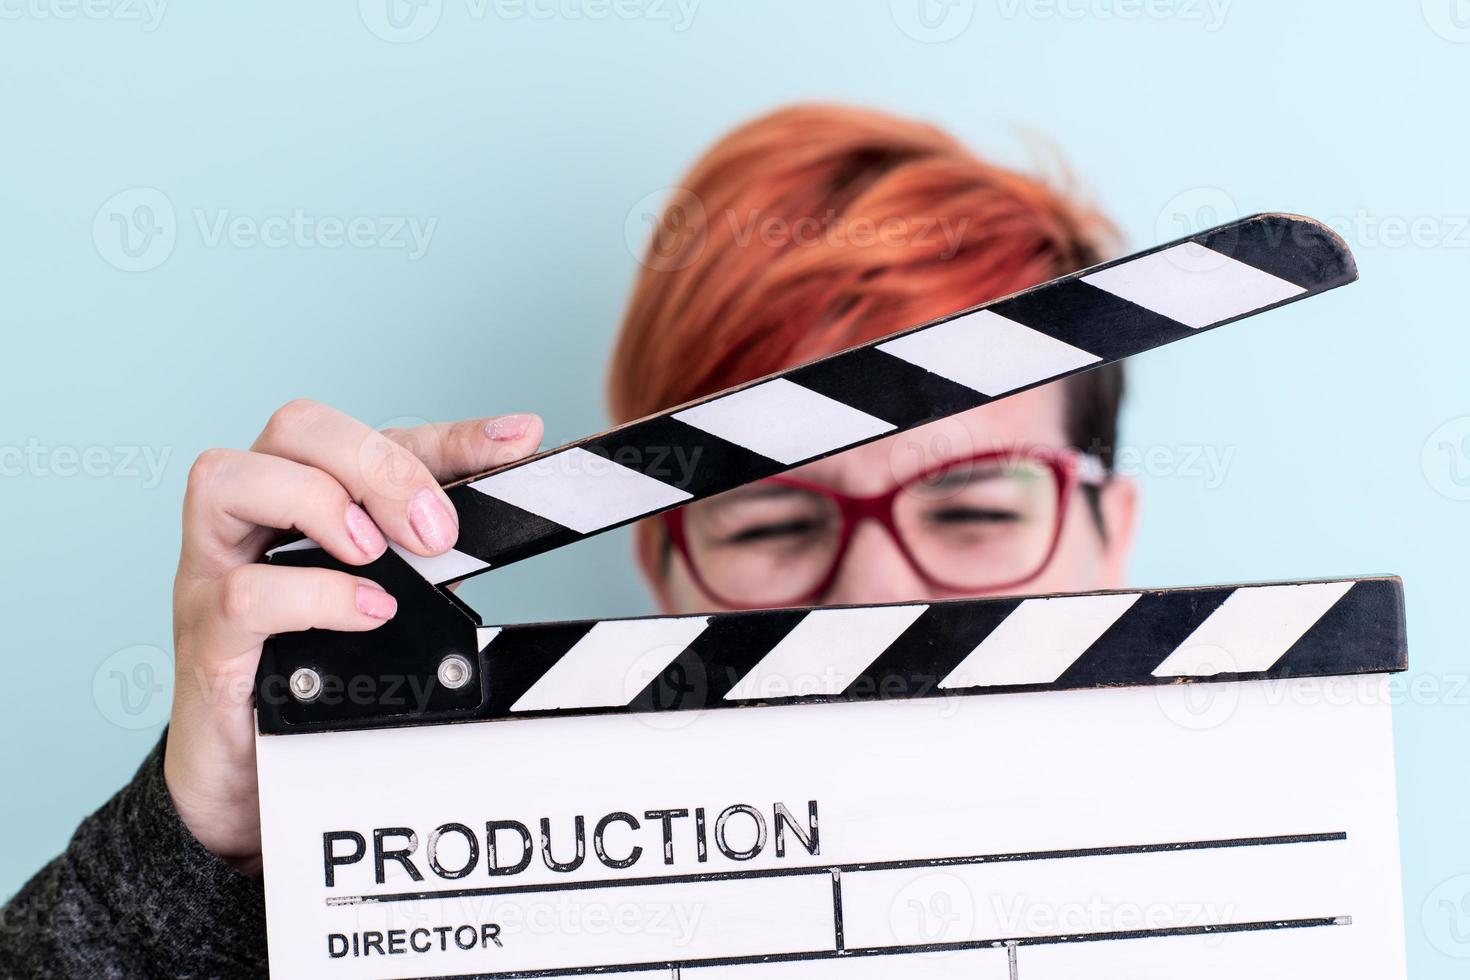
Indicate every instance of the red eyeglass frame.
{"type": "Point", "coordinates": [1070, 468]}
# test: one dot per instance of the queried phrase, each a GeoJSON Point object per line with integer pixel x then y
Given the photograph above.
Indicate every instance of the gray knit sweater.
{"type": "Point", "coordinates": [135, 895]}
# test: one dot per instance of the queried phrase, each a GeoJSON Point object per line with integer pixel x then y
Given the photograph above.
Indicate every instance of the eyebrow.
{"type": "Point", "coordinates": [959, 472]}
{"type": "Point", "coordinates": [758, 490]}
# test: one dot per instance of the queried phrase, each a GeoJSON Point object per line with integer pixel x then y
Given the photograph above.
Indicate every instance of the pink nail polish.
{"type": "Point", "coordinates": [364, 533]}
{"type": "Point", "coordinates": [432, 521]}
{"type": "Point", "coordinates": [508, 427]}
{"type": "Point", "coordinates": [374, 602]}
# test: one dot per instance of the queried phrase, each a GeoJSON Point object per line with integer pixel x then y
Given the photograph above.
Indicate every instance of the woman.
{"type": "Point", "coordinates": [799, 234]}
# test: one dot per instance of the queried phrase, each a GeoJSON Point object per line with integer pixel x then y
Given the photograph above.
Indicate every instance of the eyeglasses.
{"type": "Point", "coordinates": [983, 523]}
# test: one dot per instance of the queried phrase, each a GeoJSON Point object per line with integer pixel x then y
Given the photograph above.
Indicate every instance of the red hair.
{"type": "Point", "coordinates": [819, 227]}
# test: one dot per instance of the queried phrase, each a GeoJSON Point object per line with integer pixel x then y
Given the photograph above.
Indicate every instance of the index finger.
{"type": "Point", "coordinates": [392, 484]}
{"type": "Point", "coordinates": [455, 449]}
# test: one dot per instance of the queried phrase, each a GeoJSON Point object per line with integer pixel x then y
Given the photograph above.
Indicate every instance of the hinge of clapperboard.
{"type": "Point", "coordinates": [436, 662]}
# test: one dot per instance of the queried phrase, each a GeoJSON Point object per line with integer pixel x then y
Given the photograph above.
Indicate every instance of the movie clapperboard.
{"type": "Point", "coordinates": [1143, 784]}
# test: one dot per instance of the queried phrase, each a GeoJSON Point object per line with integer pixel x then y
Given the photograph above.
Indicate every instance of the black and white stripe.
{"type": "Point", "coordinates": [943, 648]}
{"type": "Point", "coordinates": [1081, 321]}
{"type": "Point", "coordinates": [966, 646]}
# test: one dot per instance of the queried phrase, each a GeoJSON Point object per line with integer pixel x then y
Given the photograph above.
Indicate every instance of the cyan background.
{"type": "Point", "coordinates": [530, 131]}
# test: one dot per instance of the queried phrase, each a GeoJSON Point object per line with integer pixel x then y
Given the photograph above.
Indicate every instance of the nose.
{"type": "Point", "coordinates": [875, 570]}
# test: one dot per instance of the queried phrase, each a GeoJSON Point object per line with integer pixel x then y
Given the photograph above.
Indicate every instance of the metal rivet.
{"type": "Point", "coordinates": [454, 671]}
{"type": "Point", "coordinates": [306, 685]}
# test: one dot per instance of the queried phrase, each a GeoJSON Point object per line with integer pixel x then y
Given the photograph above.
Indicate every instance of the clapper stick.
{"type": "Point", "coordinates": [1075, 323]}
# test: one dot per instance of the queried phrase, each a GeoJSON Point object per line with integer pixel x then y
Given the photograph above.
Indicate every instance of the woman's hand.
{"type": "Point", "coordinates": [350, 488]}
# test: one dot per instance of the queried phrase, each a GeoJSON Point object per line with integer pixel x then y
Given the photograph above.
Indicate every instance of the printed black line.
{"type": "Point", "coordinates": [837, 908]}
{"type": "Point", "coordinates": [968, 944]}
{"type": "Point", "coordinates": [903, 865]}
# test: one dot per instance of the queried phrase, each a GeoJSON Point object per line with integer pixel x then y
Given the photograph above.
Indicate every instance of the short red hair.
{"type": "Point", "coordinates": [818, 227]}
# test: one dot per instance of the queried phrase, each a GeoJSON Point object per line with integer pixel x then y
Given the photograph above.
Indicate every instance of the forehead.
{"type": "Point", "coordinates": [1035, 417]}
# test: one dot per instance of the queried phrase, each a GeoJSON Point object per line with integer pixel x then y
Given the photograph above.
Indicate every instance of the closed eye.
{"type": "Point", "coordinates": [972, 515]}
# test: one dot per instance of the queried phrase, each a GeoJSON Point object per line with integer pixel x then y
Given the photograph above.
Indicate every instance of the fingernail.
{"type": "Point", "coordinates": [431, 520]}
{"type": "Point", "coordinates": [508, 427]}
{"type": "Point", "coordinates": [373, 601]}
{"type": "Point", "coordinates": [364, 532]}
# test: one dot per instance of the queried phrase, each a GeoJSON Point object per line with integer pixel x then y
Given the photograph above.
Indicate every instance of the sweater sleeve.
{"type": "Point", "coordinates": [135, 895]}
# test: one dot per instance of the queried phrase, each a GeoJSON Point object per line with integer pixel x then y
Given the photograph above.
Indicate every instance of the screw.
{"type": "Point", "coordinates": [454, 671]}
{"type": "Point", "coordinates": [306, 685]}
